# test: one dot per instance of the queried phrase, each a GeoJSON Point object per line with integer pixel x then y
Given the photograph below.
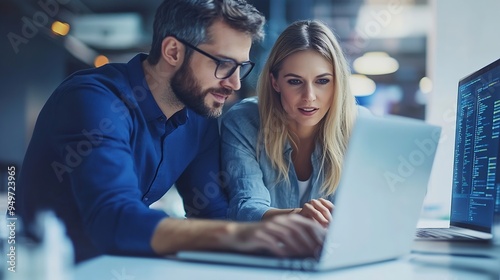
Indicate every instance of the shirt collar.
{"type": "Point", "coordinates": [180, 117]}
{"type": "Point", "coordinates": [315, 155]}
{"type": "Point", "coordinates": [143, 95]}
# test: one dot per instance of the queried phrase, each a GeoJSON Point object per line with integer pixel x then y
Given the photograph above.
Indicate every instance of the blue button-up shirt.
{"type": "Point", "coordinates": [102, 151]}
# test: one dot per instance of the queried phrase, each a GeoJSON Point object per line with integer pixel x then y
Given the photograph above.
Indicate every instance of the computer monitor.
{"type": "Point", "coordinates": [476, 172]}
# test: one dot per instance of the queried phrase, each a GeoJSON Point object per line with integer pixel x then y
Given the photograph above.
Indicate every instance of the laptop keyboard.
{"type": "Point", "coordinates": [438, 234]}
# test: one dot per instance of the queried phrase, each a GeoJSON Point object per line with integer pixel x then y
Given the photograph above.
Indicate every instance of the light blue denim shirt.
{"type": "Point", "coordinates": [251, 181]}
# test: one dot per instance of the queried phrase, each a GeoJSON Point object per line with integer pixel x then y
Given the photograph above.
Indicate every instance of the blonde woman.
{"type": "Point", "coordinates": [282, 153]}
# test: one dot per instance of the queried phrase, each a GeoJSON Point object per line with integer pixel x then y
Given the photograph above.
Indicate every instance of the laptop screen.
{"type": "Point", "coordinates": [476, 174]}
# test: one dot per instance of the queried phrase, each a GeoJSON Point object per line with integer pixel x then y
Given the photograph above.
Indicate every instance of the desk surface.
{"type": "Point", "coordinates": [414, 266]}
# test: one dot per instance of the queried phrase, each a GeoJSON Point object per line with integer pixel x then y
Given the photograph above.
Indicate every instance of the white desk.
{"type": "Point", "coordinates": [414, 266]}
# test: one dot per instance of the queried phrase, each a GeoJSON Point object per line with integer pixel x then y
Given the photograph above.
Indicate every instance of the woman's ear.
{"type": "Point", "coordinates": [274, 83]}
{"type": "Point", "coordinates": [172, 51]}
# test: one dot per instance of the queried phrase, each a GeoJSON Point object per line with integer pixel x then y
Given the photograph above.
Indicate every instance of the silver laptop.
{"type": "Point", "coordinates": [378, 202]}
{"type": "Point", "coordinates": [476, 174]}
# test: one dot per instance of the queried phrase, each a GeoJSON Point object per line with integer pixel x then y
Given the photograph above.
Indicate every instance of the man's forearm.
{"type": "Point", "coordinates": [283, 235]}
{"type": "Point", "coordinates": [173, 235]}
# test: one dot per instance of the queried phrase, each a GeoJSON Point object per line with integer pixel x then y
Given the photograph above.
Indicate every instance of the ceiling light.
{"type": "Point", "coordinates": [361, 85]}
{"type": "Point", "coordinates": [425, 85]}
{"type": "Point", "coordinates": [60, 28]}
{"type": "Point", "coordinates": [100, 60]}
{"type": "Point", "coordinates": [375, 63]}
{"type": "Point", "coordinates": [109, 31]}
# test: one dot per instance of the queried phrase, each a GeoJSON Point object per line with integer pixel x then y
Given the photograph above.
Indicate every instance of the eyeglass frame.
{"type": "Point", "coordinates": [219, 61]}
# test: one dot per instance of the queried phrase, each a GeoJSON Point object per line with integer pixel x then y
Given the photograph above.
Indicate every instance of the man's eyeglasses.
{"type": "Point", "coordinates": [225, 67]}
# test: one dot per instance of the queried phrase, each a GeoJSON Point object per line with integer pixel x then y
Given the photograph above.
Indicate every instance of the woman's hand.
{"type": "Point", "coordinates": [319, 210]}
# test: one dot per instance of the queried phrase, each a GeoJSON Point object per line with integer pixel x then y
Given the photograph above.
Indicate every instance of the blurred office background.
{"type": "Point", "coordinates": [407, 57]}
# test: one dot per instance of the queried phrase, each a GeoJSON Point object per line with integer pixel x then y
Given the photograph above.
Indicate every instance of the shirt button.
{"type": "Point", "coordinates": [161, 119]}
{"type": "Point", "coordinates": [146, 199]}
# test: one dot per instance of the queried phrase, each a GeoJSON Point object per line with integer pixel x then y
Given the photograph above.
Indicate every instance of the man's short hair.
{"type": "Point", "coordinates": [190, 19]}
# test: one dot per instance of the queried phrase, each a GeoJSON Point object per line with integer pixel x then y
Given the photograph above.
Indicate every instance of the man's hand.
{"type": "Point", "coordinates": [283, 235]}
{"type": "Point", "coordinates": [319, 210]}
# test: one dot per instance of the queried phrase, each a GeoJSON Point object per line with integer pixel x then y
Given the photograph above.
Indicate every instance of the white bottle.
{"type": "Point", "coordinates": [57, 249]}
{"type": "Point", "coordinates": [50, 259]}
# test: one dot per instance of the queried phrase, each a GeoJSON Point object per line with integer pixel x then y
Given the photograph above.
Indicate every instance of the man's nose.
{"type": "Point", "coordinates": [233, 82]}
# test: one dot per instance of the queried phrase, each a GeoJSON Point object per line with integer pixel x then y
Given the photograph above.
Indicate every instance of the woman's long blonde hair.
{"type": "Point", "coordinates": [334, 129]}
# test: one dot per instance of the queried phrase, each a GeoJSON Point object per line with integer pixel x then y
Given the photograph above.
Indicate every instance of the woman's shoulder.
{"type": "Point", "coordinates": [244, 112]}
{"type": "Point", "coordinates": [241, 122]}
{"type": "Point", "coordinates": [246, 106]}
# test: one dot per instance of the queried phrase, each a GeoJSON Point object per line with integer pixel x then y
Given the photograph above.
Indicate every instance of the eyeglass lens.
{"type": "Point", "coordinates": [227, 68]}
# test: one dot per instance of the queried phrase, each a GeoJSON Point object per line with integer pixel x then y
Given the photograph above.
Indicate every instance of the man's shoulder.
{"type": "Point", "coordinates": [108, 76]}
{"type": "Point", "coordinates": [109, 84]}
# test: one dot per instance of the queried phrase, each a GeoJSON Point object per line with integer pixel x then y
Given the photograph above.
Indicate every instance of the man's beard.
{"type": "Point", "coordinates": [188, 91]}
